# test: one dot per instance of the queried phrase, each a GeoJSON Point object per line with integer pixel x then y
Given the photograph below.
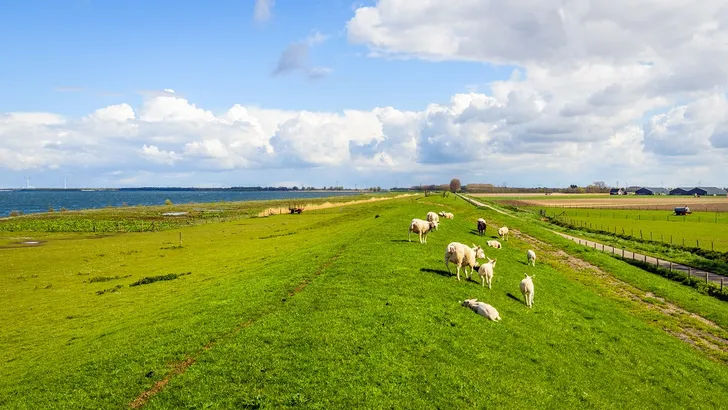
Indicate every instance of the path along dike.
{"type": "Point", "coordinates": [699, 273]}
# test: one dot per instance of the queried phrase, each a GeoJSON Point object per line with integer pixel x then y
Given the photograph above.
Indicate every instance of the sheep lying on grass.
{"type": "Point", "coordinates": [494, 244]}
{"type": "Point", "coordinates": [486, 272]}
{"type": "Point", "coordinates": [527, 289]}
{"type": "Point", "coordinates": [432, 217]}
{"type": "Point", "coordinates": [462, 255]}
{"type": "Point", "coordinates": [481, 226]}
{"type": "Point", "coordinates": [421, 228]}
{"type": "Point", "coordinates": [531, 257]}
{"type": "Point", "coordinates": [503, 232]}
{"type": "Point", "coordinates": [483, 309]}
{"type": "Point", "coordinates": [448, 215]}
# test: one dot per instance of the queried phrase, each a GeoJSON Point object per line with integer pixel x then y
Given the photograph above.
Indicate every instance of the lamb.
{"type": "Point", "coordinates": [486, 272]}
{"type": "Point", "coordinates": [448, 215]}
{"type": "Point", "coordinates": [432, 217]}
{"type": "Point", "coordinates": [421, 228]}
{"type": "Point", "coordinates": [527, 289]}
{"type": "Point", "coordinates": [481, 226]}
{"type": "Point", "coordinates": [483, 309]}
{"type": "Point", "coordinates": [462, 255]}
{"type": "Point", "coordinates": [494, 244]}
{"type": "Point", "coordinates": [503, 232]}
{"type": "Point", "coordinates": [531, 257]}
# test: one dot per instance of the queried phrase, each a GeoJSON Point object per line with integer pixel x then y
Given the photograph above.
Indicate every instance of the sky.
{"type": "Point", "coordinates": [370, 93]}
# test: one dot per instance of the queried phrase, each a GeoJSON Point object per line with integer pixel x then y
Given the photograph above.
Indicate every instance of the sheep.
{"type": "Point", "coordinates": [462, 255]}
{"type": "Point", "coordinates": [494, 244]}
{"type": "Point", "coordinates": [448, 215]}
{"type": "Point", "coordinates": [483, 309]}
{"type": "Point", "coordinates": [503, 232]}
{"type": "Point", "coordinates": [421, 228]}
{"type": "Point", "coordinates": [527, 289]}
{"type": "Point", "coordinates": [433, 217]}
{"type": "Point", "coordinates": [486, 272]}
{"type": "Point", "coordinates": [481, 226]}
{"type": "Point", "coordinates": [531, 257]}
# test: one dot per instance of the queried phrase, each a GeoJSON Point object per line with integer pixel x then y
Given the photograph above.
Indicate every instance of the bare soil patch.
{"type": "Point", "coordinates": [710, 204]}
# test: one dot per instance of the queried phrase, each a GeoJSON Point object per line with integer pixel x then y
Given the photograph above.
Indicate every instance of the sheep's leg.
{"type": "Point", "coordinates": [458, 272]}
{"type": "Point", "coordinates": [447, 265]}
{"type": "Point", "coordinates": [482, 280]}
{"type": "Point", "coordinates": [409, 234]}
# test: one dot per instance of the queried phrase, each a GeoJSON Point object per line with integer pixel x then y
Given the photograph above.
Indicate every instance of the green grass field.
{"type": "Point", "coordinates": [707, 230]}
{"type": "Point", "coordinates": [335, 309]}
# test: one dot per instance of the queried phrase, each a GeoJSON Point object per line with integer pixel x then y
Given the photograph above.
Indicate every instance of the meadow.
{"type": "Point", "coordinates": [708, 230]}
{"type": "Point", "coordinates": [335, 308]}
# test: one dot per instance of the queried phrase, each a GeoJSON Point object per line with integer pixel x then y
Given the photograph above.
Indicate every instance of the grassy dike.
{"type": "Point", "coordinates": [332, 310]}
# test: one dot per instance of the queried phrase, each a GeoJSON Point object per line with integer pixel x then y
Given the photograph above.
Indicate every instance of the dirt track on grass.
{"type": "Point", "coordinates": [326, 205]}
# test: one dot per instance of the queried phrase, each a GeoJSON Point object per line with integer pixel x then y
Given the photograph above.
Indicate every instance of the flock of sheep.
{"type": "Point", "coordinates": [465, 257]}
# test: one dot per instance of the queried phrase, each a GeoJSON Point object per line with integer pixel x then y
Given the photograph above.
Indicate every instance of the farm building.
{"type": "Point", "coordinates": [707, 191]}
{"type": "Point", "coordinates": [652, 191]}
{"type": "Point", "coordinates": [617, 191]}
{"type": "Point", "coordinates": [681, 191]}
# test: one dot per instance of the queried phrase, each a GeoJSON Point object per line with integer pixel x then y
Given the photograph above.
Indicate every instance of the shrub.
{"type": "Point", "coordinates": [167, 202]}
{"type": "Point", "coordinates": [16, 213]}
{"type": "Point", "coordinates": [64, 209]}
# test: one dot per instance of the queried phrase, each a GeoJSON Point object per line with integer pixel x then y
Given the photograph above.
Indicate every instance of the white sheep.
{"type": "Point", "coordinates": [531, 257]}
{"type": "Point", "coordinates": [527, 289]}
{"type": "Point", "coordinates": [494, 244]}
{"type": "Point", "coordinates": [462, 255]}
{"type": "Point", "coordinates": [420, 227]}
{"type": "Point", "coordinates": [486, 272]}
{"type": "Point", "coordinates": [432, 217]}
{"type": "Point", "coordinates": [483, 309]}
{"type": "Point", "coordinates": [503, 232]}
{"type": "Point", "coordinates": [448, 215]}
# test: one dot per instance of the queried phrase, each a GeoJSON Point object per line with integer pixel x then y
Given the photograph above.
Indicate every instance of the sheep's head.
{"type": "Point", "coordinates": [433, 224]}
{"type": "Point", "coordinates": [478, 252]}
{"type": "Point", "coordinates": [469, 302]}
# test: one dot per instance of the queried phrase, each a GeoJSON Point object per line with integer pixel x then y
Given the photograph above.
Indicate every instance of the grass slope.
{"type": "Point", "coordinates": [327, 310]}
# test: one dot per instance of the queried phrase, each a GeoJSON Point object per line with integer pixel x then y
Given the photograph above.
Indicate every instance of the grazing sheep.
{"type": "Point", "coordinates": [486, 272]}
{"type": "Point", "coordinates": [494, 244]}
{"type": "Point", "coordinates": [421, 228]}
{"type": "Point", "coordinates": [531, 257]}
{"type": "Point", "coordinates": [462, 255]}
{"type": "Point", "coordinates": [483, 309]}
{"type": "Point", "coordinates": [503, 232]}
{"type": "Point", "coordinates": [527, 289]}
{"type": "Point", "coordinates": [432, 217]}
{"type": "Point", "coordinates": [481, 226]}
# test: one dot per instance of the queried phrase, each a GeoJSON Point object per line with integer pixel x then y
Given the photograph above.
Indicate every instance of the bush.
{"type": "Point", "coordinates": [50, 209]}
{"type": "Point", "coordinates": [64, 209]}
{"type": "Point", "coordinates": [167, 202]}
{"type": "Point", "coordinates": [16, 213]}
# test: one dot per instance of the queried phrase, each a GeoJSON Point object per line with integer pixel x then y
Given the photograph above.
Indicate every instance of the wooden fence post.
{"type": "Point", "coordinates": [706, 277]}
{"type": "Point", "coordinates": [180, 239]}
{"type": "Point", "coordinates": [622, 253]}
{"type": "Point", "coordinates": [721, 284]}
{"type": "Point", "coordinates": [670, 266]}
{"type": "Point", "coordinates": [690, 271]}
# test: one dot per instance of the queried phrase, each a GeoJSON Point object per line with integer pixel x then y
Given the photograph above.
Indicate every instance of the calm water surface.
{"type": "Point", "coordinates": [41, 201]}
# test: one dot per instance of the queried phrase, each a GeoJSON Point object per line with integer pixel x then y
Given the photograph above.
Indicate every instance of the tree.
{"type": "Point", "coordinates": [600, 184]}
{"type": "Point", "coordinates": [454, 185]}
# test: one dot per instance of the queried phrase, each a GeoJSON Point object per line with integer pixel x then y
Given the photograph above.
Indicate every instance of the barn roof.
{"type": "Point", "coordinates": [711, 190]}
{"type": "Point", "coordinates": [656, 190]}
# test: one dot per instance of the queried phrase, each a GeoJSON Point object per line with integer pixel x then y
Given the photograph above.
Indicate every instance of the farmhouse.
{"type": "Point", "coordinates": [707, 190]}
{"type": "Point", "coordinates": [617, 191]}
{"type": "Point", "coordinates": [652, 191]}
{"type": "Point", "coordinates": [681, 191]}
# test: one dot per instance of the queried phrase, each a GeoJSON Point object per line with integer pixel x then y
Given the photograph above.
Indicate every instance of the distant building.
{"type": "Point", "coordinates": [617, 191]}
{"type": "Point", "coordinates": [681, 191]}
{"type": "Point", "coordinates": [652, 191]}
{"type": "Point", "coordinates": [707, 191]}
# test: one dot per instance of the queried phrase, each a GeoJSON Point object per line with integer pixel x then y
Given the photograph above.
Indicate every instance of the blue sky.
{"type": "Point", "coordinates": [212, 51]}
{"type": "Point", "coordinates": [128, 93]}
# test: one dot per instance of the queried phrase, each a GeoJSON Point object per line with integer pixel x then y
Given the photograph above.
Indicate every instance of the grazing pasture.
{"type": "Point", "coordinates": [706, 230]}
{"type": "Point", "coordinates": [635, 202]}
{"type": "Point", "coordinates": [338, 309]}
